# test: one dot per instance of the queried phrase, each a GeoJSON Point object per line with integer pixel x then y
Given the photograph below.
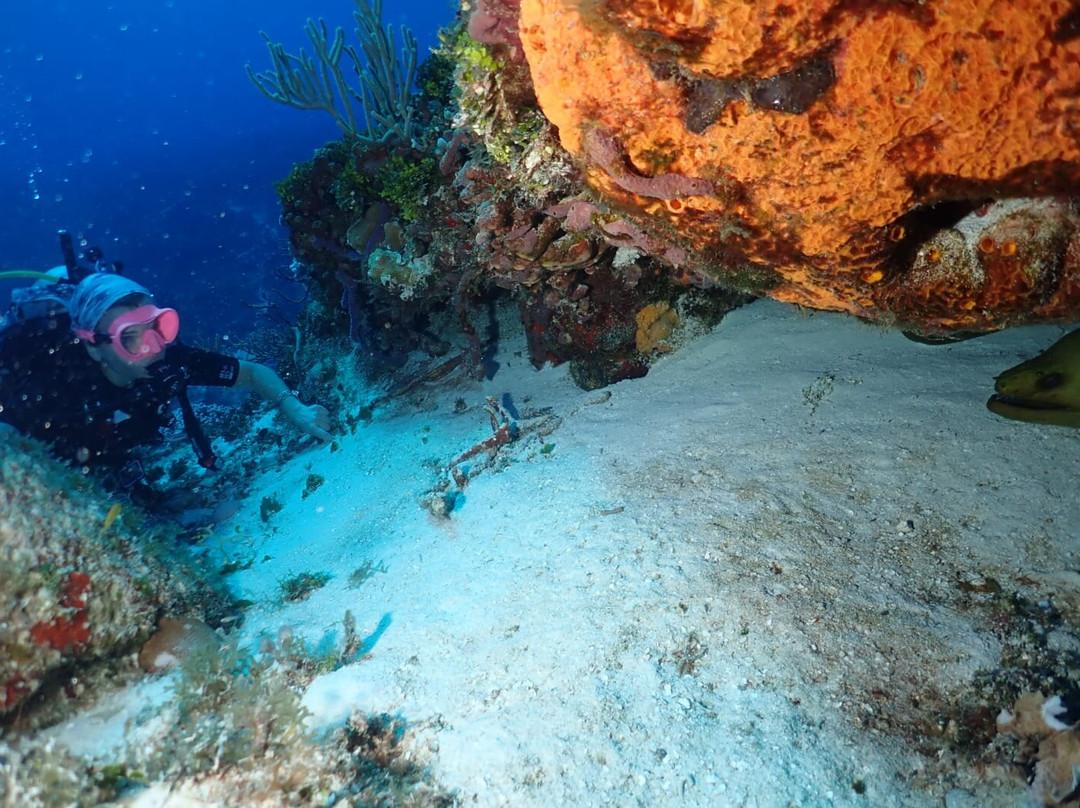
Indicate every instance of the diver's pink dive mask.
{"type": "Point", "coordinates": [138, 334]}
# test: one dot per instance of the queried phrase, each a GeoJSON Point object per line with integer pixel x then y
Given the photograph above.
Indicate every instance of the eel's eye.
{"type": "Point", "coordinates": [1050, 381]}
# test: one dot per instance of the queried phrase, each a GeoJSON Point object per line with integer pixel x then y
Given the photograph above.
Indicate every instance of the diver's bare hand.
{"type": "Point", "coordinates": [311, 419]}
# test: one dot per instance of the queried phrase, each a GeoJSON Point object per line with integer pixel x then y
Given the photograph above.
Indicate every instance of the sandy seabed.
{"type": "Point", "coordinates": [750, 578]}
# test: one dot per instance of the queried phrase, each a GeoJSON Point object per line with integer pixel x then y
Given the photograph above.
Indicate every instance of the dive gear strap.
{"type": "Point", "coordinates": [204, 452]}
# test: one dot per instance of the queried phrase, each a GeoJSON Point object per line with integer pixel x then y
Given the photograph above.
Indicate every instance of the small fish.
{"type": "Point", "coordinates": [1043, 390]}
{"type": "Point", "coordinates": [110, 517]}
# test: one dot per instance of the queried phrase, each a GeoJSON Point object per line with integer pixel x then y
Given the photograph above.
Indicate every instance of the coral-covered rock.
{"type": "Point", "coordinates": [495, 23]}
{"type": "Point", "coordinates": [1057, 760]}
{"type": "Point", "coordinates": [849, 148]}
{"type": "Point", "coordinates": [77, 585]}
{"type": "Point", "coordinates": [175, 639]}
{"type": "Point", "coordinates": [1004, 263]}
{"type": "Point", "coordinates": [655, 324]}
{"type": "Point", "coordinates": [415, 242]}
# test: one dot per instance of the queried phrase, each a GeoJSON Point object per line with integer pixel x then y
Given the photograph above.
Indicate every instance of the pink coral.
{"type": "Point", "coordinates": [495, 22]}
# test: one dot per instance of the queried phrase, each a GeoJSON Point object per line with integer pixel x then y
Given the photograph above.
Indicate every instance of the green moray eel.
{"type": "Point", "coordinates": [1043, 390]}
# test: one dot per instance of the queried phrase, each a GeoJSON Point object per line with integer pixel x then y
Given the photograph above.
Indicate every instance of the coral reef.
{"type": "Point", "coordinates": [234, 733]}
{"type": "Point", "coordinates": [595, 160]}
{"type": "Point", "coordinates": [414, 249]}
{"type": "Point", "coordinates": [78, 588]}
{"type": "Point", "coordinates": [857, 155]}
{"type": "Point", "coordinates": [36, 774]}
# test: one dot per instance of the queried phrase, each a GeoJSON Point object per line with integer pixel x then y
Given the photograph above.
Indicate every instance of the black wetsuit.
{"type": "Point", "coordinates": [51, 389]}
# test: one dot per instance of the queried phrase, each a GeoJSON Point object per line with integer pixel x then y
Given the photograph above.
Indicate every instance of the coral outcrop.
{"type": "Point", "coordinates": [912, 164]}
{"type": "Point", "coordinates": [1035, 719]}
{"type": "Point", "coordinates": [414, 249]}
{"type": "Point", "coordinates": [845, 156]}
{"type": "Point", "coordinates": [79, 586]}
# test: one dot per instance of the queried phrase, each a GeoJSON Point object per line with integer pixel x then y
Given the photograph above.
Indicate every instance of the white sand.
{"type": "Point", "coordinates": [724, 586]}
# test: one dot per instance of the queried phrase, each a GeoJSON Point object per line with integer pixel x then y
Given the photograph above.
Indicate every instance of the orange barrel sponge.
{"type": "Point", "coordinates": [827, 141]}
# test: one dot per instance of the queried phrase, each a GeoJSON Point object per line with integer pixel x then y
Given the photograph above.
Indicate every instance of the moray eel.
{"type": "Point", "coordinates": [1043, 390]}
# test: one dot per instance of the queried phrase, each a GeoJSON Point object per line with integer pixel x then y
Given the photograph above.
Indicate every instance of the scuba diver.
{"type": "Point", "coordinates": [90, 364]}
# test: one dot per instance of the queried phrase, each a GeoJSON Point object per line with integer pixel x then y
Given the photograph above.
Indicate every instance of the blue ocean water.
{"type": "Point", "coordinates": [132, 123]}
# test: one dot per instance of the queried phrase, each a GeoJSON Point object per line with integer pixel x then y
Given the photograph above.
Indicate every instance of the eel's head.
{"type": "Point", "coordinates": [1043, 390]}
